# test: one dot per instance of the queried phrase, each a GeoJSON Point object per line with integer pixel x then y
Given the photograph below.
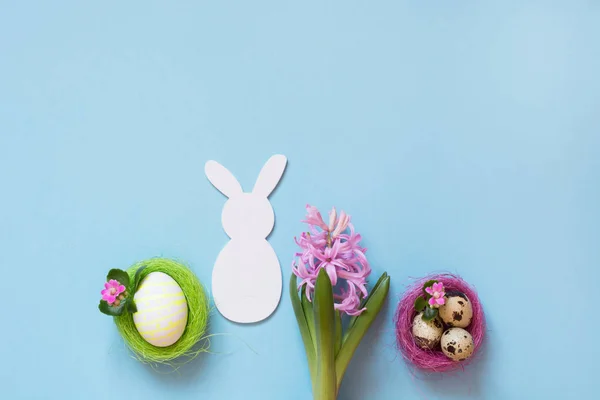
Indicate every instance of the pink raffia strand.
{"type": "Point", "coordinates": [338, 252]}
{"type": "Point", "coordinates": [435, 360]}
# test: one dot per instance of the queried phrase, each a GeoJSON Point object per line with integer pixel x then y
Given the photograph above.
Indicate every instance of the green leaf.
{"type": "Point", "coordinates": [420, 303]}
{"type": "Point", "coordinates": [429, 313]}
{"type": "Point", "coordinates": [114, 311]}
{"type": "Point", "coordinates": [119, 275]}
{"type": "Point", "coordinates": [428, 284]}
{"type": "Point", "coordinates": [364, 301]}
{"type": "Point", "coordinates": [338, 332]}
{"type": "Point", "coordinates": [307, 308]}
{"type": "Point", "coordinates": [309, 347]}
{"type": "Point", "coordinates": [325, 387]}
{"type": "Point", "coordinates": [131, 307]}
{"type": "Point", "coordinates": [136, 279]}
{"type": "Point", "coordinates": [359, 329]}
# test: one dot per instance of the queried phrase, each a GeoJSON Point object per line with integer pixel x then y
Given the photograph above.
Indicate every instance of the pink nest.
{"type": "Point", "coordinates": [435, 360]}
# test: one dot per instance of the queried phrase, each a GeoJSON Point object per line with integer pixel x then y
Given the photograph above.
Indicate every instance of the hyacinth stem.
{"type": "Point", "coordinates": [328, 350]}
{"type": "Point", "coordinates": [325, 387]}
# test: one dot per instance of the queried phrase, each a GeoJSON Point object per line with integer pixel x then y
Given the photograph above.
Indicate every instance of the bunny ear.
{"type": "Point", "coordinates": [270, 175]}
{"type": "Point", "coordinates": [222, 179]}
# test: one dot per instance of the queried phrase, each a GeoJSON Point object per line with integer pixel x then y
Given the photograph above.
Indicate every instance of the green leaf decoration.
{"type": "Point", "coordinates": [114, 311]}
{"type": "Point", "coordinates": [428, 284]}
{"type": "Point", "coordinates": [420, 303]}
{"type": "Point", "coordinates": [362, 323]}
{"type": "Point", "coordinates": [309, 347]}
{"type": "Point", "coordinates": [119, 275]}
{"type": "Point", "coordinates": [131, 307]}
{"type": "Point", "coordinates": [325, 387]}
{"type": "Point", "coordinates": [136, 279]}
{"type": "Point", "coordinates": [429, 313]}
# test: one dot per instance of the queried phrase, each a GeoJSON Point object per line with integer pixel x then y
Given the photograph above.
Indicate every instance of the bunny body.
{"type": "Point", "coordinates": [246, 279]}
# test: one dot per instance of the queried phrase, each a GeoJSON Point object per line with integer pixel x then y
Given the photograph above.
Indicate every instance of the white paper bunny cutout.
{"type": "Point", "coordinates": [246, 278]}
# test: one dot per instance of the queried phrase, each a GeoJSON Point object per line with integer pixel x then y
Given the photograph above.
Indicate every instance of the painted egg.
{"type": "Point", "coordinates": [427, 334]}
{"type": "Point", "coordinates": [458, 311]}
{"type": "Point", "coordinates": [457, 344]}
{"type": "Point", "coordinates": [162, 310]}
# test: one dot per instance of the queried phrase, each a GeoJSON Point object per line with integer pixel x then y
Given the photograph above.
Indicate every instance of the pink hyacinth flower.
{"type": "Point", "coordinates": [328, 259]}
{"type": "Point", "coordinates": [313, 217]}
{"type": "Point", "coordinates": [342, 224]}
{"type": "Point", "coordinates": [339, 254]}
{"type": "Point", "coordinates": [437, 293]}
{"type": "Point", "coordinates": [350, 301]}
{"type": "Point", "coordinates": [112, 290]}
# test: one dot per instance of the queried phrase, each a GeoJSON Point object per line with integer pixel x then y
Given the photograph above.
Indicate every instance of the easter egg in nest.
{"type": "Point", "coordinates": [427, 334]}
{"type": "Point", "coordinates": [457, 344]}
{"type": "Point", "coordinates": [162, 310]}
{"type": "Point", "coordinates": [457, 311]}
{"type": "Point", "coordinates": [439, 361]}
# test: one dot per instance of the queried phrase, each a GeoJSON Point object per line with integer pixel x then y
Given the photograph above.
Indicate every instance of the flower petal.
{"type": "Point", "coordinates": [331, 271]}
{"type": "Point", "coordinates": [342, 224]}
{"type": "Point", "coordinates": [109, 298]}
{"type": "Point", "coordinates": [332, 219]}
{"type": "Point", "coordinates": [313, 217]}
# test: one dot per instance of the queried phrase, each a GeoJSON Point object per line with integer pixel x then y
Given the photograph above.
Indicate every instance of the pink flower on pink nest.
{"type": "Point", "coordinates": [437, 293]}
{"type": "Point", "coordinates": [112, 290]}
{"type": "Point", "coordinates": [338, 253]}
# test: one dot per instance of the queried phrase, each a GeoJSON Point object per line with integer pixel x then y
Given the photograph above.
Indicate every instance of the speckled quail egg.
{"type": "Point", "coordinates": [427, 334]}
{"type": "Point", "coordinates": [457, 344]}
{"type": "Point", "coordinates": [458, 311]}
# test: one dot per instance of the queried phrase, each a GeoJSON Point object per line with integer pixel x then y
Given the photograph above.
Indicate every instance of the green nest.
{"type": "Point", "coordinates": [198, 311]}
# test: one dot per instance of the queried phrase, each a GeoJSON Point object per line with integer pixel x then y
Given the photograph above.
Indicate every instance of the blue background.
{"type": "Point", "coordinates": [460, 136]}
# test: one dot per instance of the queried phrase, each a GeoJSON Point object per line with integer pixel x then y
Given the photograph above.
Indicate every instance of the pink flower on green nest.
{"type": "Point", "coordinates": [437, 293]}
{"type": "Point", "coordinates": [112, 290]}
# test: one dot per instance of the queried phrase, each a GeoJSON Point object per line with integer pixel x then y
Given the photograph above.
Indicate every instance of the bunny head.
{"type": "Point", "coordinates": [247, 215]}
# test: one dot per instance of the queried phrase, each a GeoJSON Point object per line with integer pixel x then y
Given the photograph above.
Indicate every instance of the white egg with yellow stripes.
{"type": "Point", "coordinates": [162, 310]}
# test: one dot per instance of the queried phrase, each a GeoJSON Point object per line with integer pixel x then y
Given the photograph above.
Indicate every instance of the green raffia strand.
{"type": "Point", "coordinates": [198, 311]}
{"type": "Point", "coordinates": [320, 328]}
